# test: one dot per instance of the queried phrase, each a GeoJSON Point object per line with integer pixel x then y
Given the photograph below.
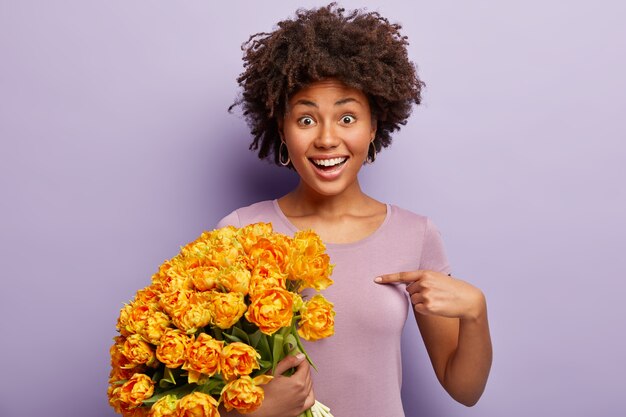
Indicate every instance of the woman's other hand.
{"type": "Point", "coordinates": [434, 293]}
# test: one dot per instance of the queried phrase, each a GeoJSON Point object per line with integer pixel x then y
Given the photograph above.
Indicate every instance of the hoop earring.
{"type": "Point", "coordinates": [280, 154]}
{"type": "Point", "coordinates": [371, 156]}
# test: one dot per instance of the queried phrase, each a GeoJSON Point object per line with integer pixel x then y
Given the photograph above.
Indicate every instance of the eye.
{"type": "Point", "coordinates": [306, 121]}
{"type": "Point", "coordinates": [348, 119]}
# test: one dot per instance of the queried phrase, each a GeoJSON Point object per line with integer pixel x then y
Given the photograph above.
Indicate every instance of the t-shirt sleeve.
{"type": "Point", "coordinates": [433, 253]}
{"type": "Point", "coordinates": [230, 220]}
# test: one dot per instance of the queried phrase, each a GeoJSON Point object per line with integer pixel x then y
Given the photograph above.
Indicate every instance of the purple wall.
{"type": "Point", "coordinates": [116, 148]}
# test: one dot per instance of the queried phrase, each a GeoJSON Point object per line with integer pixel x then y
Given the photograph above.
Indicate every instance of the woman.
{"type": "Point", "coordinates": [322, 95]}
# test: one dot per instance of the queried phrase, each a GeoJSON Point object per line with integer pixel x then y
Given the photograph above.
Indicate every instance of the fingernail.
{"type": "Point", "coordinates": [300, 356]}
{"type": "Point", "coordinates": [378, 279]}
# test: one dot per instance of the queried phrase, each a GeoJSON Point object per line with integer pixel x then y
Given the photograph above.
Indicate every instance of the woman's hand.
{"type": "Point", "coordinates": [433, 293]}
{"type": "Point", "coordinates": [288, 396]}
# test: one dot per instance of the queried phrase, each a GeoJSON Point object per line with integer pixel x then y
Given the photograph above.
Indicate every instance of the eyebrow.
{"type": "Point", "coordinates": [337, 103]}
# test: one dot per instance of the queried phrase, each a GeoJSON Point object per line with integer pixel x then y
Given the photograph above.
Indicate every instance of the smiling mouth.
{"type": "Point", "coordinates": [328, 164]}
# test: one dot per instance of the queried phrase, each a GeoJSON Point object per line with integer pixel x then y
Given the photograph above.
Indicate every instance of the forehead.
{"type": "Point", "coordinates": [327, 90]}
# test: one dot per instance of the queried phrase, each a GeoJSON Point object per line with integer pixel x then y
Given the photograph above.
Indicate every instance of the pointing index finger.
{"type": "Point", "coordinates": [398, 277]}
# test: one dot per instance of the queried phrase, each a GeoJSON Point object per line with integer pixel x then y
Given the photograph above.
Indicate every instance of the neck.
{"type": "Point", "coordinates": [304, 200]}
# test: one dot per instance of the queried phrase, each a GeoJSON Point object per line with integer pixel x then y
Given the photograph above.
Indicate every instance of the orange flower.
{"type": "Point", "coordinates": [235, 279]}
{"type": "Point", "coordinates": [226, 308]}
{"type": "Point", "coordinates": [203, 357]}
{"type": "Point", "coordinates": [137, 351]}
{"type": "Point", "coordinates": [270, 310]}
{"type": "Point", "coordinates": [197, 404]}
{"type": "Point", "coordinates": [317, 319]}
{"type": "Point", "coordinates": [244, 394]}
{"type": "Point", "coordinates": [265, 277]}
{"type": "Point", "coordinates": [164, 407]}
{"type": "Point", "coordinates": [133, 392]}
{"type": "Point", "coordinates": [173, 347]}
{"type": "Point", "coordinates": [265, 251]}
{"type": "Point", "coordinates": [238, 359]}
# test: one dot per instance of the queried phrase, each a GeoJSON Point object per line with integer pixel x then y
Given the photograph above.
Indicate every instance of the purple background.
{"type": "Point", "coordinates": [116, 148]}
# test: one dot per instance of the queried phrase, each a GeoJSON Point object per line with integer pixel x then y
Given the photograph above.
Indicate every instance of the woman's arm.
{"type": "Point", "coordinates": [452, 317]}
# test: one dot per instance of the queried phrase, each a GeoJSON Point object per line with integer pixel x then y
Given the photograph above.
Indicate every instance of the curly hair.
{"type": "Point", "coordinates": [361, 49]}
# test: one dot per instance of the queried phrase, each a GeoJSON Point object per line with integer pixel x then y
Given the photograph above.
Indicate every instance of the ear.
{"type": "Point", "coordinates": [279, 123]}
{"type": "Point", "coordinates": [374, 127]}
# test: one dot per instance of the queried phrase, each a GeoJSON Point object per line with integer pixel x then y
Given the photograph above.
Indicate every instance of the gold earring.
{"type": "Point", "coordinates": [371, 156]}
{"type": "Point", "coordinates": [280, 154]}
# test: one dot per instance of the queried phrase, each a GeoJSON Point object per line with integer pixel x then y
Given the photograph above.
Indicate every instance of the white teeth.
{"type": "Point", "coordinates": [328, 162]}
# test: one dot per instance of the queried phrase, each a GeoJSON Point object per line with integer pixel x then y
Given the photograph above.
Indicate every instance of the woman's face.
{"type": "Point", "coordinates": [328, 128]}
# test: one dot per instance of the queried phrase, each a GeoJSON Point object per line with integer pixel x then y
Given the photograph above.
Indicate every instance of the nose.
{"type": "Point", "coordinates": [327, 137]}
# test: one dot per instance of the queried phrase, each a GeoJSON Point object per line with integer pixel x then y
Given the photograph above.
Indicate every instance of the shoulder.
{"type": "Point", "coordinates": [253, 213]}
{"type": "Point", "coordinates": [432, 252]}
{"type": "Point", "coordinates": [403, 218]}
{"type": "Point", "coordinates": [411, 223]}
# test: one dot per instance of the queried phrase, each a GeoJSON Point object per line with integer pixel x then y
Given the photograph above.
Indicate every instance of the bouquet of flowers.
{"type": "Point", "coordinates": [216, 320]}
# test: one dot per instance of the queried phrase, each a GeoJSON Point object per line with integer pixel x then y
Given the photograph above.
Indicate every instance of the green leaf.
{"type": "Point", "coordinates": [291, 344]}
{"type": "Point", "coordinates": [277, 350]}
{"type": "Point", "coordinates": [178, 392]}
{"type": "Point", "coordinates": [231, 337]}
{"type": "Point", "coordinates": [264, 348]}
{"type": "Point", "coordinates": [241, 335]}
{"type": "Point", "coordinates": [255, 338]}
{"type": "Point", "coordinates": [217, 333]}
{"type": "Point", "coordinates": [300, 347]}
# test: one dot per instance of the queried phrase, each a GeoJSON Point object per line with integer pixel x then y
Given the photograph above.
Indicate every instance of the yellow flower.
{"type": "Point", "coordinates": [118, 359]}
{"type": "Point", "coordinates": [121, 368]}
{"type": "Point", "coordinates": [250, 234]}
{"type": "Point", "coordinates": [203, 357]}
{"type": "Point", "coordinates": [197, 404]}
{"type": "Point", "coordinates": [156, 325]}
{"type": "Point", "coordinates": [308, 262]}
{"type": "Point", "coordinates": [137, 317]}
{"type": "Point", "coordinates": [137, 351]}
{"type": "Point", "coordinates": [138, 388]}
{"type": "Point", "coordinates": [235, 279]}
{"type": "Point", "coordinates": [196, 315]}
{"type": "Point", "coordinates": [317, 319]}
{"type": "Point", "coordinates": [271, 309]}
{"type": "Point", "coordinates": [226, 309]}
{"type": "Point", "coordinates": [297, 302]}
{"type": "Point", "coordinates": [172, 276]}
{"type": "Point", "coordinates": [164, 407]}
{"type": "Point", "coordinates": [122, 320]}
{"type": "Point", "coordinates": [244, 394]}
{"type": "Point", "coordinates": [149, 296]}
{"type": "Point", "coordinates": [238, 359]}
{"type": "Point", "coordinates": [175, 302]}
{"type": "Point", "coordinates": [173, 347]}
{"type": "Point", "coordinates": [205, 278]}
